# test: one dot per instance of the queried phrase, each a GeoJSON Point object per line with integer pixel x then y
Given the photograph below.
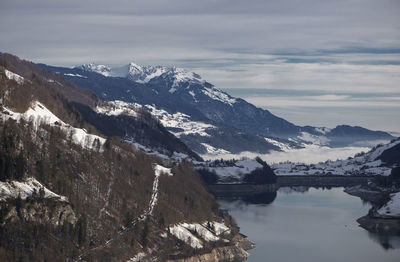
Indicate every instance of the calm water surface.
{"type": "Point", "coordinates": [309, 224]}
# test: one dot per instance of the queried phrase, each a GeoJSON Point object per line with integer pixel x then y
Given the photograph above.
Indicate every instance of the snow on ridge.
{"type": "Point", "coordinates": [218, 95]}
{"type": "Point", "coordinates": [13, 76]}
{"type": "Point", "coordinates": [24, 189]}
{"type": "Point", "coordinates": [182, 75]}
{"type": "Point", "coordinates": [378, 150]}
{"type": "Point", "coordinates": [143, 74]}
{"type": "Point", "coordinates": [100, 69]}
{"type": "Point", "coordinates": [392, 208]}
{"type": "Point", "coordinates": [37, 113]}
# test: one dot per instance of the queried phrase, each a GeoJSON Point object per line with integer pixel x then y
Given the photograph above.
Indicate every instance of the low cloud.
{"type": "Point", "coordinates": [308, 155]}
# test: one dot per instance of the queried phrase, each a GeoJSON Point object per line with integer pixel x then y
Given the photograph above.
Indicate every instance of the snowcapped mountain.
{"type": "Point", "coordinates": [183, 101]}
{"type": "Point", "coordinates": [144, 74]}
{"type": "Point", "coordinates": [100, 69]}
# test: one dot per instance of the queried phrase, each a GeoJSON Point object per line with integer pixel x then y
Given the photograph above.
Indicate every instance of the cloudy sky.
{"type": "Point", "coordinates": [315, 62]}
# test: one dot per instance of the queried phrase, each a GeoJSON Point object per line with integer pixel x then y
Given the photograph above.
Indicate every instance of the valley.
{"type": "Point", "coordinates": [125, 164]}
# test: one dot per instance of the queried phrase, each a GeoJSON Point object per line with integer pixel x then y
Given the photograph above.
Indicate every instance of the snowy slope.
{"type": "Point", "coordinates": [13, 76]}
{"type": "Point", "coordinates": [392, 208]}
{"type": "Point", "coordinates": [361, 164]}
{"type": "Point", "coordinates": [178, 123]}
{"type": "Point", "coordinates": [38, 114]}
{"type": "Point", "coordinates": [187, 232]}
{"type": "Point", "coordinates": [24, 189]}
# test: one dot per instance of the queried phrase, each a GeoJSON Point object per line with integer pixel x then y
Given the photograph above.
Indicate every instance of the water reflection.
{"type": "Point", "coordinates": [387, 241]}
{"type": "Point", "coordinates": [309, 224]}
{"type": "Point", "coordinates": [256, 199]}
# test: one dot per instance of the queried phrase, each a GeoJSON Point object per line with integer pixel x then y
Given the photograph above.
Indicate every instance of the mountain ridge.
{"type": "Point", "coordinates": [180, 91]}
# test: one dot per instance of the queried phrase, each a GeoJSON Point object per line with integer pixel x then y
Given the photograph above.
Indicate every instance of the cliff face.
{"type": "Point", "coordinates": [54, 213]}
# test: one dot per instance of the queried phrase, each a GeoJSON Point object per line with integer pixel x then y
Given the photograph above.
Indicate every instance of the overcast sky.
{"type": "Point", "coordinates": [313, 62]}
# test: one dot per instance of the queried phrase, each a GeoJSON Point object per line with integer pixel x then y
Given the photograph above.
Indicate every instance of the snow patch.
{"type": "Point", "coordinates": [117, 107]}
{"type": "Point", "coordinates": [392, 208]}
{"type": "Point", "coordinates": [214, 151]}
{"type": "Point", "coordinates": [218, 95]}
{"type": "Point", "coordinates": [284, 147]}
{"type": "Point", "coordinates": [193, 95]}
{"type": "Point", "coordinates": [182, 233]}
{"type": "Point", "coordinates": [219, 228]}
{"type": "Point", "coordinates": [207, 231]}
{"type": "Point", "coordinates": [181, 123]}
{"type": "Point", "coordinates": [13, 76]}
{"type": "Point", "coordinates": [13, 189]}
{"type": "Point", "coordinates": [75, 75]}
{"type": "Point", "coordinates": [158, 170]}
{"type": "Point", "coordinates": [202, 231]}
{"type": "Point", "coordinates": [138, 257]}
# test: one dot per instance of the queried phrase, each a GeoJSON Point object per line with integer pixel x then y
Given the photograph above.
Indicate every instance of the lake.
{"type": "Point", "coordinates": [309, 224]}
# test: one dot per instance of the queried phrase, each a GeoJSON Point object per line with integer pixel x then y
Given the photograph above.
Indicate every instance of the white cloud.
{"type": "Point", "coordinates": [334, 47]}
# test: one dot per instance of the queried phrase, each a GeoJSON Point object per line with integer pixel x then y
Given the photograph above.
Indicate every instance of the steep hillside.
{"type": "Point", "coordinates": [68, 192]}
{"type": "Point", "coordinates": [139, 127]}
{"type": "Point", "coordinates": [173, 92]}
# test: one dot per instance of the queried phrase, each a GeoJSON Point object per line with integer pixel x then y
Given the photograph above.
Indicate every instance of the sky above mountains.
{"type": "Point", "coordinates": [310, 61]}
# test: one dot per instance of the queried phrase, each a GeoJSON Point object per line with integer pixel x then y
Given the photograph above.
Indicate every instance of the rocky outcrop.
{"type": "Point", "coordinates": [47, 211]}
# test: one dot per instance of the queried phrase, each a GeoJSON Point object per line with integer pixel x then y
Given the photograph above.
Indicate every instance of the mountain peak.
{"type": "Point", "coordinates": [144, 74]}
{"type": "Point", "coordinates": [100, 69]}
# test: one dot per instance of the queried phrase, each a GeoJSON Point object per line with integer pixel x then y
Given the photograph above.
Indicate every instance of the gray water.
{"type": "Point", "coordinates": [314, 225]}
